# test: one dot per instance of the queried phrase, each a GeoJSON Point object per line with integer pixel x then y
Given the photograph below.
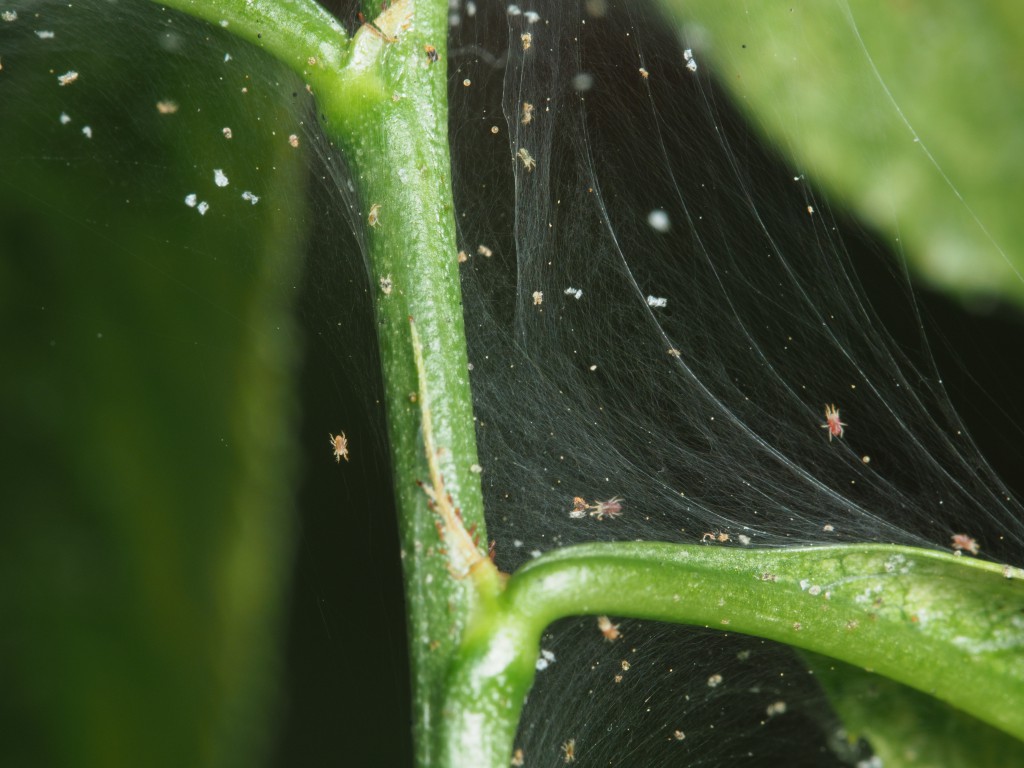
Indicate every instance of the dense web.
{"type": "Point", "coordinates": [659, 311]}
{"type": "Point", "coordinates": [685, 309]}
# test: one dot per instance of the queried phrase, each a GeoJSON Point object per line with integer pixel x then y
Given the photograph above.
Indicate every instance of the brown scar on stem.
{"type": "Point", "coordinates": [464, 555]}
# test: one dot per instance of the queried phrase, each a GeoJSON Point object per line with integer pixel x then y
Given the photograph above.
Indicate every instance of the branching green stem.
{"type": "Point", "coordinates": [945, 625]}
{"type": "Point", "coordinates": [384, 102]}
{"type": "Point", "coordinates": [950, 627]}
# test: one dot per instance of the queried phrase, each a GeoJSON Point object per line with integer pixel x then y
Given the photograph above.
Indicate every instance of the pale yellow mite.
{"type": "Point", "coordinates": [340, 445]}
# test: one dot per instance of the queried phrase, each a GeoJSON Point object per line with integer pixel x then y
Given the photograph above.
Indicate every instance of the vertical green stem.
{"type": "Point", "coordinates": [389, 113]}
{"type": "Point", "coordinates": [383, 98]}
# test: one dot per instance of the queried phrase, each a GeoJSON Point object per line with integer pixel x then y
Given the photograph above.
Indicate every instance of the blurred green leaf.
{"type": "Point", "coordinates": [146, 389]}
{"type": "Point", "coordinates": [908, 728]}
{"type": "Point", "coordinates": [910, 113]}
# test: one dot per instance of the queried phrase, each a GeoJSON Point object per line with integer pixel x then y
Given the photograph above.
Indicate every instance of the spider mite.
{"type": "Point", "coordinates": [431, 52]}
{"type": "Point", "coordinates": [528, 162]}
{"type": "Point", "coordinates": [609, 630]}
{"type": "Point", "coordinates": [710, 537]}
{"type": "Point", "coordinates": [964, 543]}
{"type": "Point", "coordinates": [611, 508]}
{"type": "Point", "coordinates": [569, 751]}
{"type": "Point", "coordinates": [373, 218]}
{"type": "Point", "coordinates": [527, 113]}
{"type": "Point", "coordinates": [340, 445]}
{"type": "Point", "coordinates": [832, 422]}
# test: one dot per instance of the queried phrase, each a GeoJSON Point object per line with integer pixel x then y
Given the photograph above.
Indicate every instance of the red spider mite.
{"type": "Point", "coordinates": [832, 422]}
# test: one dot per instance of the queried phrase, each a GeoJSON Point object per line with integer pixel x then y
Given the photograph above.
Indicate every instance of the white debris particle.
{"type": "Point", "coordinates": [532, 16]}
{"type": "Point", "coordinates": [476, 469]}
{"type": "Point", "coordinates": [744, 539]}
{"type": "Point", "coordinates": [227, 132]}
{"type": "Point", "coordinates": [484, 251]}
{"type": "Point", "coordinates": [545, 660]}
{"type": "Point", "coordinates": [810, 209]}
{"type": "Point", "coordinates": [166, 107]}
{"type": "Point", "coordinates": [659, 221]}
{"type": "Point", "coordinates": [535, 553]}
{"type": "Point", "coordinates": [828, 528]}
{"type": "Point", "coordinates": [45, 34]}
{"type": "Point", "coordinates": [191, 200]}
{"type": "Point", "coordinates": [87, 132]}
{"type": "Point", "coordinates": [227, 57]}
{"type": "Point", "coordinates": [691, 63]}
{"type": "Point", "coordinates": [203, 207]}
{"type": "Point", "coordinates": [224, 23]}
{"type": "Point", "coordinates": [65, 118]}
{"type": "Point", "coordinates": [293, 140]}
{"type": "Point", "coordinates": [814, 590]}
{"type": "Point", "coordinates": [776, 708]}
{"type": "Point", "coordinates": [220, 178]}
{"type": "Point", "coordinates": [9, 15]}
{"type": "Point", "coordinates": [679, 735]}
{"type": "Point", "coordinates": [387, 285]}
{"type": "Point", "coordinates": [253, 199]}
{"type": "Point", "coordinates": [538, 298]}
{"type": "Point", "coordinates": [514, 10]}
{"type": "Point", "coordinates": [471, 8]}
{"type": "Point", "coordinates": [517, 543]}
{"type": "Point", "coordinates": [576, 293]}
{"type": "Point", "coordinates": [656, 301]}
{"type": "Point", "coordinates": [68, 77]}
{"type": "Point", "coordinates": [714, 681]}
{"type": "Point", "coordinates": [582, 81]}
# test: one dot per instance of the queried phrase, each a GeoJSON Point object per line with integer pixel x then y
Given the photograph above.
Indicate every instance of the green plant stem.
{"type": "Point", "coordinates": [389, 114]}
{"type": "Point", "coordinates": [383, 100]}
{"type": "Point", "coordinates": [944, 625]}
